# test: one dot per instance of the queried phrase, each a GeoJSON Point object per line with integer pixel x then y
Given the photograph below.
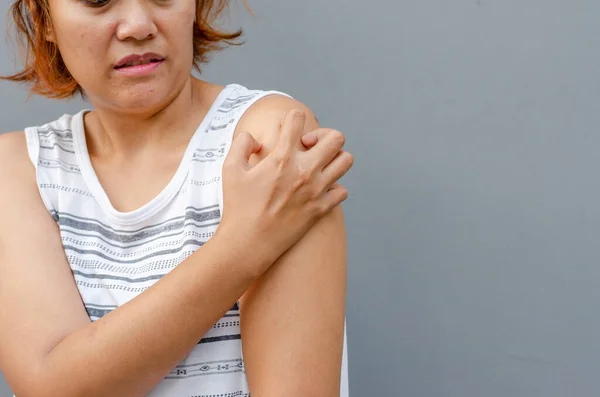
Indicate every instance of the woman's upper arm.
{"type": "Point", "coordinates": [40, 302]}
{"type": "Point", "coordinates": [293, 316]}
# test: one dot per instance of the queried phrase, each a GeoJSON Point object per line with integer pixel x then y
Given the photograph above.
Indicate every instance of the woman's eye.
{"type": "Point", "coordinates": [96, 3]}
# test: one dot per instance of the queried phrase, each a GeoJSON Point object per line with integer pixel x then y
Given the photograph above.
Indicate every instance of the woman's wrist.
{"type": "Point", "coordinates": [243, 250]}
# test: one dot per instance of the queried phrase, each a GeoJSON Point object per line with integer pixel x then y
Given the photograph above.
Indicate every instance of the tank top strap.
{"type": "Point", "coordinates": [51, 150]}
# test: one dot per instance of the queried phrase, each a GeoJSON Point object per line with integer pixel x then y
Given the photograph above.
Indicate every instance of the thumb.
{"type": "Point", "coordinates": [313, 137]}
{"type": "Point", "coordinates": [244, 146]}
{"type": "Point", "coordinates": [310, 139]}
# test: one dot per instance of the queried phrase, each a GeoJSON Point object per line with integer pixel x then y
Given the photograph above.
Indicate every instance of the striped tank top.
{"type": "Point", "coordinates": [114, 256]}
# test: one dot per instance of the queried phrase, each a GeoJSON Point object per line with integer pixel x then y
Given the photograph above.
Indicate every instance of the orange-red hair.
{"type": "Point", "coordinates": [47, 74]}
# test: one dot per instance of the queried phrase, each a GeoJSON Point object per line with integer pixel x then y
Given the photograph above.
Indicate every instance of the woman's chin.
{"type": "Point", "coordinates": [144, 95]}
{"type": "Point", "coordinates": [142, 100]}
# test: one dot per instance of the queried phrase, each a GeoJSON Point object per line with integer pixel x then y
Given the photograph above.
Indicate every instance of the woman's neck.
{"type": "Point", "coordinates": [111, 133]}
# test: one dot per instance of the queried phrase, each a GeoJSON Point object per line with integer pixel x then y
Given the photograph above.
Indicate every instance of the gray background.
{"type": "Point", "coordinates": [474, 217]}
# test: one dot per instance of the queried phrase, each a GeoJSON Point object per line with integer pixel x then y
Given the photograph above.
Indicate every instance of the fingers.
{"type": "Point", "coordinates": [312, 138]}
{"type": "Point", "coordinates": [291, 131]}
{"type": "Point", "coordinates": [329, 144]}
{"type": "Point", "coordinates": [334, 186]}
{"type": "Point", "coordinates": [243, 147]}
{"type": "Point", "coordinates": [309, 140]}
{"type": "Point", "coordinates": [332, 198]}
{"type": "Point", "coordinates": [337, 168]}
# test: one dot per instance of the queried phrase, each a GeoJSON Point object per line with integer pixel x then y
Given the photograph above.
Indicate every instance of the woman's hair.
{"type": "Point", "coordinates": [44, 69]}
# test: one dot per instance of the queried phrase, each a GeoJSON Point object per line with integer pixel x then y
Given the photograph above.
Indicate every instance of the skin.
{"type": "Point", "coordinates": [281, 163]}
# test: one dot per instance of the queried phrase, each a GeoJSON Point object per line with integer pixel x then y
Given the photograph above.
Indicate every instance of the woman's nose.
{"type": "Point", "coordinates": [136, 21]}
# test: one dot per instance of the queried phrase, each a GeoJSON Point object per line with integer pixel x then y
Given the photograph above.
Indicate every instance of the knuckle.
{"type": "Point", "coordinates": [319, 209]}
{"type": "Point", "coordinates": [303, 175]}
{"type": "Point", "coordinates": [281, 157]}
{"type": "Point", "coordinates": [302, 178]}
{"type": "Point", "coordinates": [338, 137]}
{"type": "Point", "coordinates": [323, 209]}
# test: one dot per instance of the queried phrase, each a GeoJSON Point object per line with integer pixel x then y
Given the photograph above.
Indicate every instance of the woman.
{"type": "Point", "coordinates": [115, 260]}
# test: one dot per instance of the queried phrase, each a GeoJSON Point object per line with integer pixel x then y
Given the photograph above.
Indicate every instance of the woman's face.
{"type": "Point", "coordinates": [126, 54]}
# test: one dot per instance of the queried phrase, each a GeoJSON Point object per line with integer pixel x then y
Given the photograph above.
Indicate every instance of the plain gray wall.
{"type": "Point", "coordinates": [474, 216]}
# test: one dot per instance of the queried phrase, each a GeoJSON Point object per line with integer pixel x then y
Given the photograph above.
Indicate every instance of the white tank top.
{"type": "Point", "coordinates": [114, 256]}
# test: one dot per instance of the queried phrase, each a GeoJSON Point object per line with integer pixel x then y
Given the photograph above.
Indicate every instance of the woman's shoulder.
{"type": "Point", "coordinates": [13, 148]}
{"type": "Point", "coordinates": [263, 119]}
{"type": "Point", "coordinates": [15, 165]}
{"type": "Point", "coordinates": [22, 144]}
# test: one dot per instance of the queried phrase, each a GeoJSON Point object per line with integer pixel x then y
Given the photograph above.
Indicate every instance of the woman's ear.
{"type": "Point", "coordinates": [50, 36]}
{"type": "Point", "coordinates": [37, 18]}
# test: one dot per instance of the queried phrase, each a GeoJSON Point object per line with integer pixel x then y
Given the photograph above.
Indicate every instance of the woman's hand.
{"type": "Point", "coordinates": [268, 207]}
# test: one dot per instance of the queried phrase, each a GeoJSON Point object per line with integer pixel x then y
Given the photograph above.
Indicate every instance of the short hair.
{"type": "Point", "coordinates": [44, 69]}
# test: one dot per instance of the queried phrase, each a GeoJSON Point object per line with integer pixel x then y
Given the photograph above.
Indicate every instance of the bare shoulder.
{"type": "Point", "coordinates": [263, 119]}
{"type": "Point", "coordinates": [14, 159]}
{"type": "Point", "coordinates": [17, 174]}
{"type": "Point", "coordinates": [11, 142]}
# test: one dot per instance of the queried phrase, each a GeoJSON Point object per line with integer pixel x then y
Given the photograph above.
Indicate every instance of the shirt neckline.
{"type": "Point", "coordinates": [166, 194]}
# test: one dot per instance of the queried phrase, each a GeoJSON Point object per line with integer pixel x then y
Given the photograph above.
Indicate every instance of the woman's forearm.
{"type": "Point", "coordinates": [129, 351]}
